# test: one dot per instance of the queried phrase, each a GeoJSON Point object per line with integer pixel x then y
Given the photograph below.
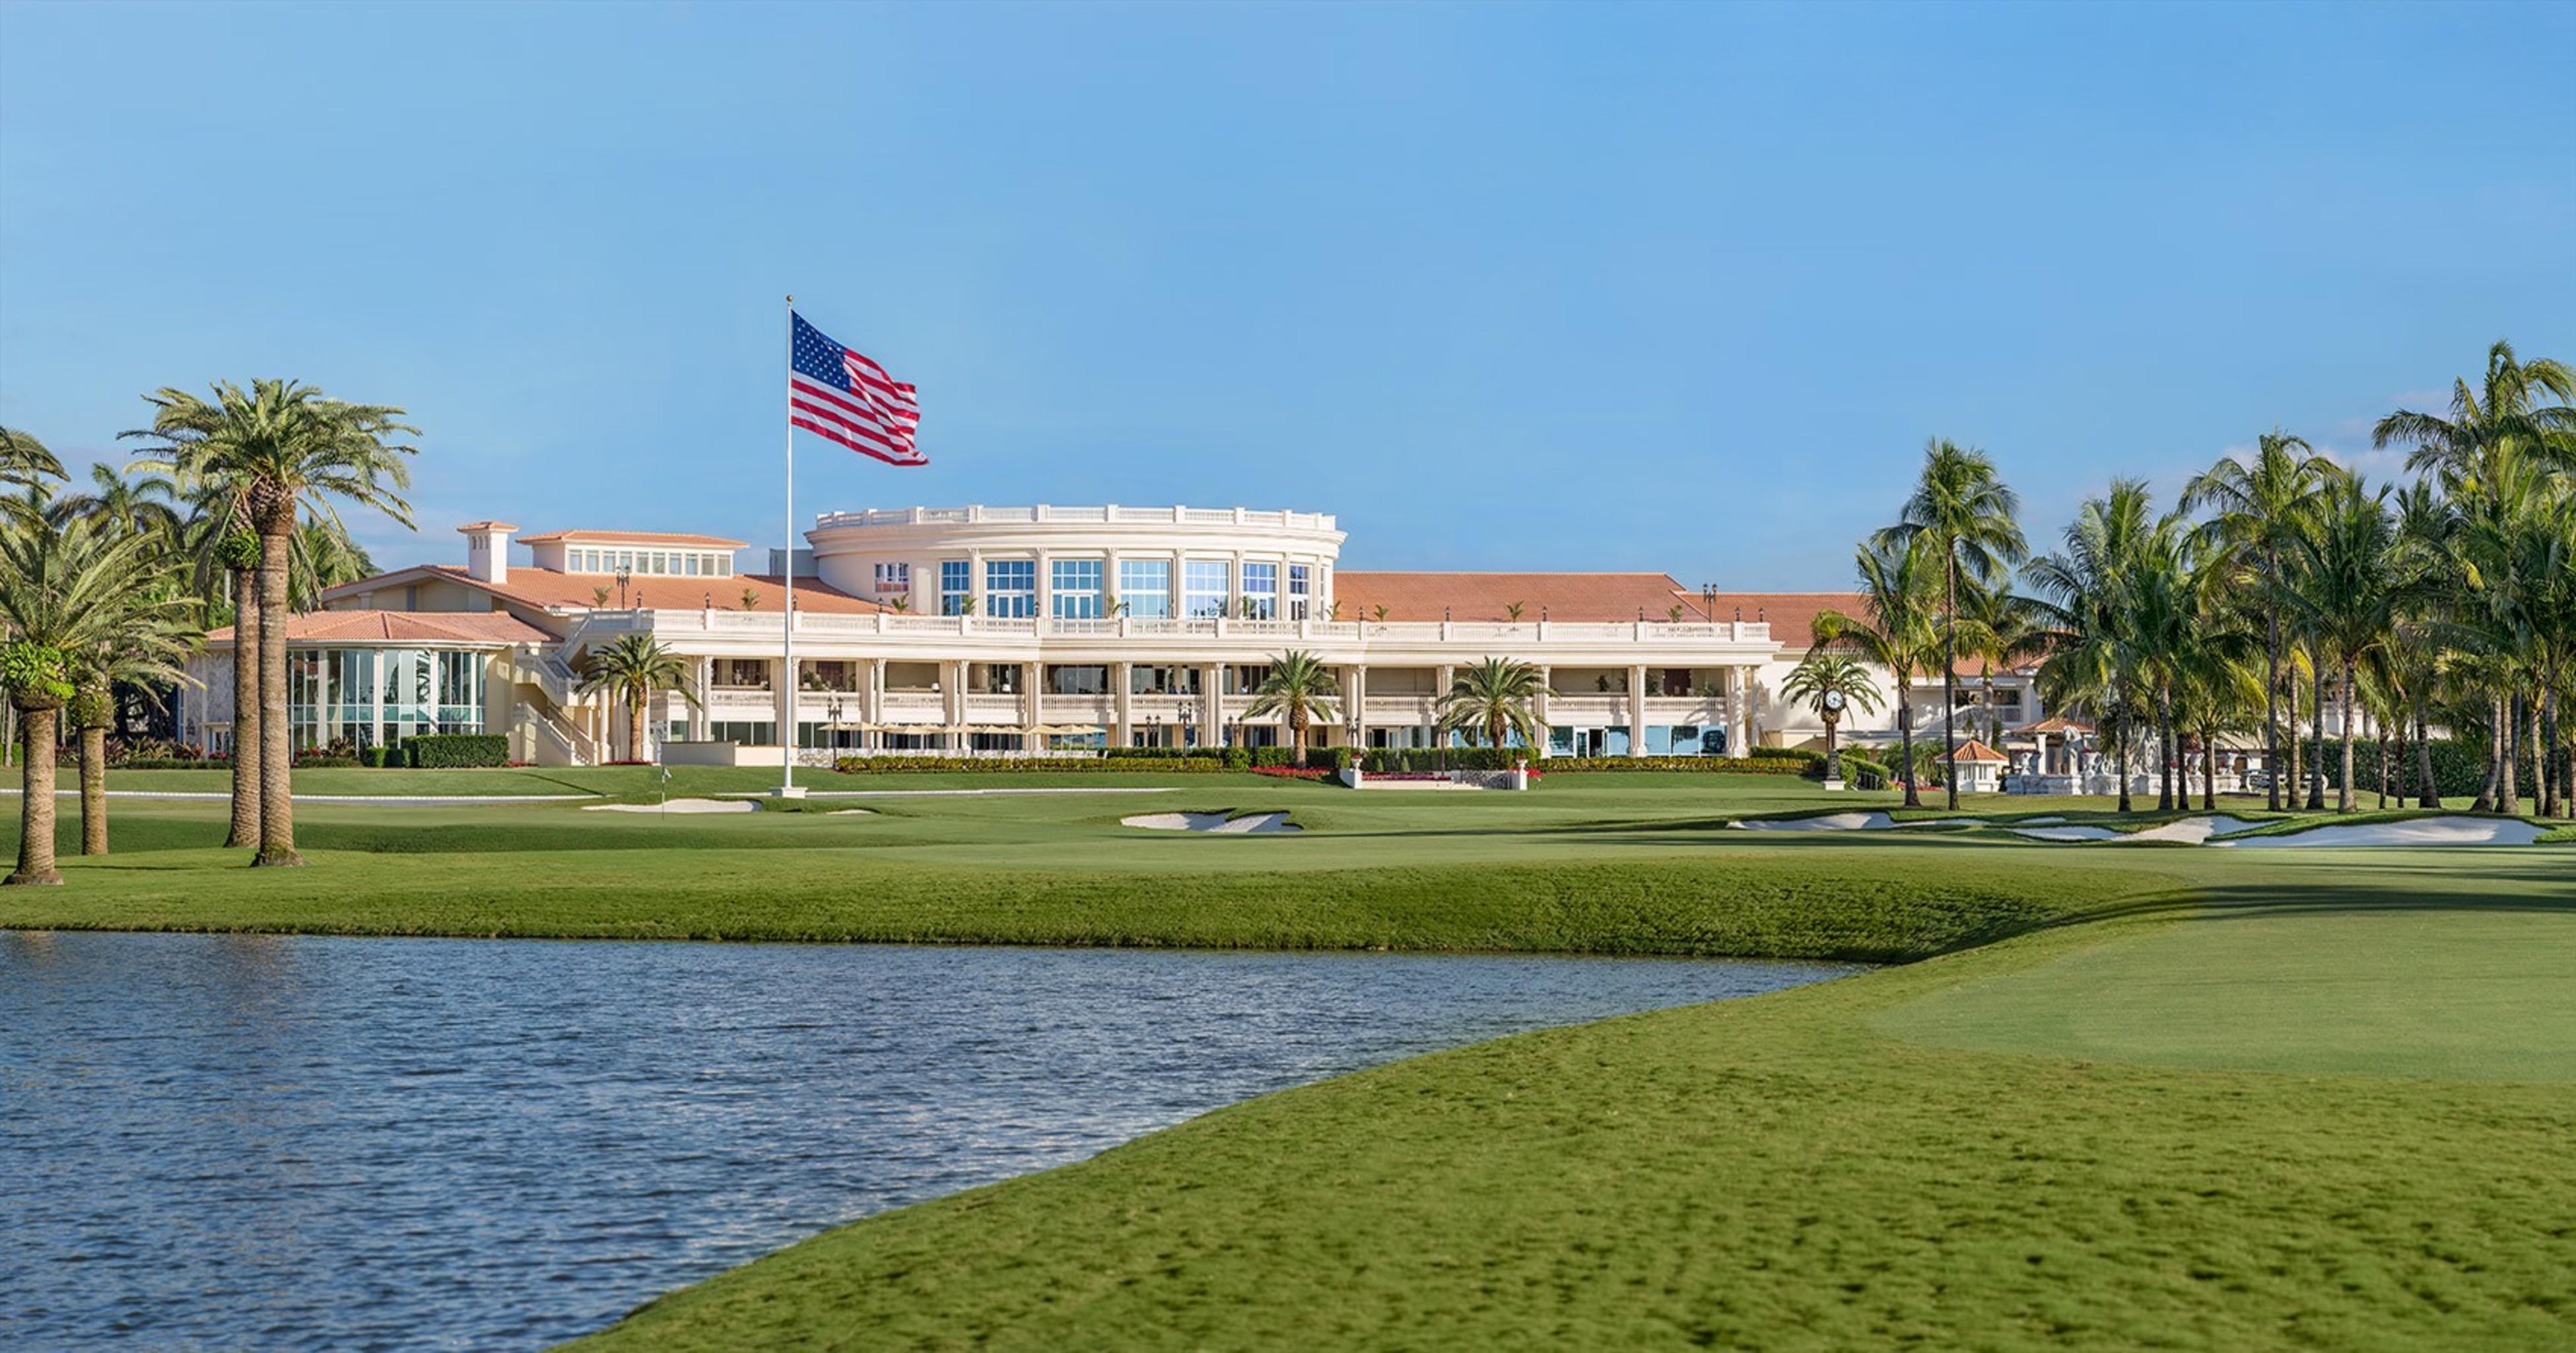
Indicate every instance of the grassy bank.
{"type": "Point", "coordinates": [2143, 1098]}
{"type": "Point", "coordinates": [2323, 1108]}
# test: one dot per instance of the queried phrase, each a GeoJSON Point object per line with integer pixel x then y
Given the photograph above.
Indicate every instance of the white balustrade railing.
{"type": "Point", "coordinates": [1111, 514]}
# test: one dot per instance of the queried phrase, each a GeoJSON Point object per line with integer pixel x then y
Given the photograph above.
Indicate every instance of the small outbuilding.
{"type": "Point", "coordinates": [1981, 768]}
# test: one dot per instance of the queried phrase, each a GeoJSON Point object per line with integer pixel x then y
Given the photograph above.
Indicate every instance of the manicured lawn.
{"type": "Point", "coordinates": [1962, 1153]}
{"type": "Point", "coordinates": [2145, 1097]}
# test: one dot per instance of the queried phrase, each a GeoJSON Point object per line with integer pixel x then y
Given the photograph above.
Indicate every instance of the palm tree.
{"type": "Point", "coordinates": [1967, 514]}
{"type": "Point", "coordinates": [24, 461]}
{"type": "Point", "coordinates": [282, 446]}
{"type": "Point", "coordinates": [2343, 588]}
{"type": "Point", "coordinates": [1494, 697]}
{"type": "Point", "coordinates": [2260, 504]}
{"type": "Point", "coordinates": [144, 639]}
{"type": "Point", "coordinates": [60, 582]}
{"type": "Point", "coordinates": [2500, 420]}
{"type": "Point", "coordinates": [144, 502]}
{"type": "Point", "coordinates": [1299, 688]}
{"type": "Point", "coordinates": [633, 670]}
{"type": "Point", "coordinates": [2085, 599]}
{"type": "Point", "coordinates": [1999, 629]}
{"type": "Point", "coordinates": [1828, 683]}
{"type": "Point", "coordinates": [1900, 595]}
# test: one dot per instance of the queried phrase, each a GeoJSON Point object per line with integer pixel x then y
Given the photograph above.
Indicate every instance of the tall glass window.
{"type": "Point", "coordinates": [1145, 586]}
{"type": "Point", "coordinates": [1204, 587]}
{"type": "Point", "coordinates": [1260, 591]}
{"type": "Point", "coordinates": [1299, 585]}
{"type": "Point", "coordinates": [1011, 588]}
{"type": "Point", "coordinates": [956, 583]}
{"type": "Point", "coordinates": [1073, 588]}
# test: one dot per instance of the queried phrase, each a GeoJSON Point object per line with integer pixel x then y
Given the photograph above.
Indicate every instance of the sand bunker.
{"type": "Point", "coordinates": [845, 812]}
{"type": "Point", "coordinates": [1829, 822]}
{"type": "Point", "coordinates": [2067, 833]}
{"type": "Point", "coordinates": [1261, 824]}
{"type": "Point", "coordinates": [677, 806]}
{"type": "Point", "coordinates": [1847, 822]}
{"type": "Point", "coordinates": [2422, 831]}
{"type": "Point", "coordinates": [2190, 831]}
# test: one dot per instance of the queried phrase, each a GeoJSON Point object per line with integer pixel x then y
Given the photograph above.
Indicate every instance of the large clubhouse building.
{"type": "Point", "coordinates": [1027, 629]}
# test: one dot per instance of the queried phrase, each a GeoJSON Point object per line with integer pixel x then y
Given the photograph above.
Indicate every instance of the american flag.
{"type": "Point", "coordinates": [840, 394]}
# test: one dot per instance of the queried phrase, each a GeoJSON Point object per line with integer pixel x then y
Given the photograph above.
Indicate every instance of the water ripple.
{"type": "Point", "coordinates": [251, 1142]}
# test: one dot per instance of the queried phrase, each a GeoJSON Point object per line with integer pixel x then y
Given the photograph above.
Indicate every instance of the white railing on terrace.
{"type": "Point", "coordinates": [715, 621]}
{"type": "Point", "coordinates": [1111, 514]}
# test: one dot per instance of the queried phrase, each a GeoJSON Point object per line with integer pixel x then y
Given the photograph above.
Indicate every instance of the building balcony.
{"type": "Point", "coordinates": [749, 632]}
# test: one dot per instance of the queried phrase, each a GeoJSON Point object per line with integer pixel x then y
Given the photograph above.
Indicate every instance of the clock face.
{"type": "Point", "coordinates": [1833, 699]}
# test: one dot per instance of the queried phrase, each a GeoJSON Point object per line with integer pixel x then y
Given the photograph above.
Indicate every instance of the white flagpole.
{"type": "Point", "coordinates": [787, 577]}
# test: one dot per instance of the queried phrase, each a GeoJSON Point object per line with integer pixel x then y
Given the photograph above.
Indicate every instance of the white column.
{"type": "Point", "coordinates": [1637, 710]}
{"type": "Point", "coordinates": [1212, 704]}
{"type": "Point", "coordinates": [1044, 582]}
{"type": "Point", "coordinates": [1543, 709]}
{"type": "Point", "coordinates": [1752, 709]}
{"type": "Point", "coordinates": [1031, 712]}
{"type": "Point", "coordinates": [1119, 681]}
{"type": "Point", "coordinates": [1734, 711]}
{"type": "Point", "coordinates": [705, 677]}
{"type": "Point", "coordinates": [783, 689]}
{"type": "Point", "coordinates": [1357, 714]}
{"type": "Point", "coordinates": [1441, 676]}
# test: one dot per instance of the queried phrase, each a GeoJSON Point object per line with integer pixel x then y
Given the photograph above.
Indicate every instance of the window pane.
{"type": "Point", "coordinates": [1145, 587]}
{"type": "Point", "coordinates": [956, 583]}
{"type": "Point", "coordinates": [1204, 587]}
{"type": "Point", "coordinates": [1073, 589]}
{"type": "Point", "coordinates": [1261, 591]}
{"type": "Point", "coordinates": [1011, 588]}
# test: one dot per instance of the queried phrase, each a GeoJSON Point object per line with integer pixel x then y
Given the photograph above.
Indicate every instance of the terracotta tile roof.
{"type": "Point", "coordinates": [2059, 723]}
{"type": "Point", "coordinates": [1482, 596]}
{"type": "Point", "coordinates": [1973, 750]}
{"type": "Point", "coordinates": [1792, 614]}
{"type": "Point", "coordinates": [543, 587]}
{"type": "Point", "coordinates": [404, 627]}
{"type": "Point", "coordinates": [487, 526]}
{"type": "Point", "coordinates": [627, 537]}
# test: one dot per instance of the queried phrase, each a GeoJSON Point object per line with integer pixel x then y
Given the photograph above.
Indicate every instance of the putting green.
{"type": "Point", "coordinates": [2326, 967]}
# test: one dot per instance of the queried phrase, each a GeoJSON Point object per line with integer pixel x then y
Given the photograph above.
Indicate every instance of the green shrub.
{"type": "Point", "coordinates": [438, 751]}
{"type": "Point", "coordinates": [1238, 758]}
{"type": "Point", "coordinates": [1724, 765]}
{"type": "Point", "coordinates": [1274, 756]}
{"type": "Point", "coordinates": [1155, 753]}
{"type": "Point", "coordinates": [325, 761]}
{"type": "Point", "coordinates": [1434, 760]}
{"type": "Point", "coordinates": [2459, 765]}
{"type": "Point", "coordinates": [1206, 762]}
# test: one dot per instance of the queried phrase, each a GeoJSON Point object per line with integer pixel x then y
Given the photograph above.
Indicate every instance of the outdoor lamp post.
{"type": "Point", "coordinates": [623, 573]}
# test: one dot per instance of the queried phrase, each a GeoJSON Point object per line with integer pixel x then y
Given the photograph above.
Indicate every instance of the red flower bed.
{"type": "Point", "coordinates": [1291, 772]}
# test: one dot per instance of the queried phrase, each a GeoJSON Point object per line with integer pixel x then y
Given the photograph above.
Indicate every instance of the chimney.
{"type": "Point", "coordinates": [487, 550]}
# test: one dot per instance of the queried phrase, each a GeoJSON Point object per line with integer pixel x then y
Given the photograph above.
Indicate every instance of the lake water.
{"type": "Point", "coordinates": [239, 1142]}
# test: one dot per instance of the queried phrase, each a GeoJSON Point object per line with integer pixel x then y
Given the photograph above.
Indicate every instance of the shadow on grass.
{"type": "Point", "coordinates": [2486, 880]}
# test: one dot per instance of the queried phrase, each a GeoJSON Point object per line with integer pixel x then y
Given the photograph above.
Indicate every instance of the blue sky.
{"type": "Point", "coordinates": [1585, 287]}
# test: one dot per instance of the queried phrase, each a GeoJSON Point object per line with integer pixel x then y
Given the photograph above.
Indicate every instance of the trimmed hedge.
{"type": "Point", "coordinates": [2459, 765]}
{"type": "Point", "coordinates": [1433, 760]}
{"type": "Point", "coordinates": [1709, 765]}
{"type": "Point", "coordinates": [1182, 765]}
{"type": "Point", "coordinates": [439, 751]}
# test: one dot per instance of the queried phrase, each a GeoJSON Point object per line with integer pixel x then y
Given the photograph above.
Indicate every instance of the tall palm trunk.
{"type": "Point", "coordinates": [2296, 768]}
{"type": "Point", "coordinates": [2387, 765]}
{"type": "Point", "coordinates": [2343, 792]}
{"type": "Point", "coordinates": [2486, 800]}
{"type": "Point", "coordinates": [36, 801]}
{"type": "Point", "coordinates": [2539, 758]}
{"type": "Point", "coordinates": [93, 789]}
{"type": "Point", "coordinates": [2120, 750]}
{"type": "Point", "coordinates": [2428, 793]}
{"type": "Point", "coordinates": [1950, 672]}
{"type": "Point", "coordinates": [1905, 734]}
{"type": "Point", "coordinates": [2560, 795]}
{"type": "Point", "coordinates": [2508, 758]}
{"type": "Point", "coordinates": [2317, 712]}
{"type": "Point", "coordinates": [2272, 704]}
{"type": "Point", "coordinates": [276, 753]}
{"type": "Point", "coordinates": [2208, 769]}
{"type": "Point", "coordinates": [2164, 750]}
{"type": "Point", "coordinates": [246, 649]}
